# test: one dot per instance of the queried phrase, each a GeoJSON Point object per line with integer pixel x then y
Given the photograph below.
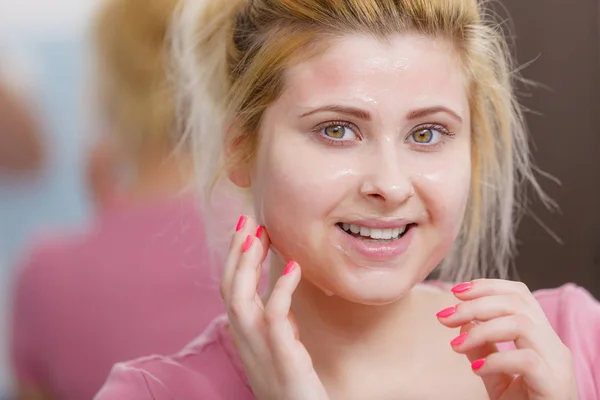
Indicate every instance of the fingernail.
{"type": "Point", "coordinates": [247, 244]}
{"type": "Point", "coordinates": [241, 223]}
{"type": "Point", "coordinates": [476, 365]}
{"type": "Point", "coordinates": [289, 268]}
{"type": "Point", "coordinates": [461, 288]}
{"type": "Point", "coordinates": [445, 313]}
{"type": "Point", "coordinates": [259, 231]}
{"type": "Point", "coordinates": [460, 339]}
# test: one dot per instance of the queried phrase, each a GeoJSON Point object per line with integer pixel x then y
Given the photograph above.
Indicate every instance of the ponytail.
{"type": "Point", "coordinates": [201, 36]}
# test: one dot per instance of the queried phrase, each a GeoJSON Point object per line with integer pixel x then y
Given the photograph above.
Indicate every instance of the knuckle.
{"type": "Point", "coordinates": [530, 360]}
{"type": "Point", "coordinates": [271, 316]}
{"type": "Point", "coordinates": [509, 305]}
{"type": "Point", "coordinates": [523, 324]}
{"type": "Point", "coordinates": [223, 290]}
{"type": "Point", "coordinates": [523, 288]}
{"type": "Point", "coordinates": [516, 304]}
{"type": "Point", "coordinates": [236, 308]}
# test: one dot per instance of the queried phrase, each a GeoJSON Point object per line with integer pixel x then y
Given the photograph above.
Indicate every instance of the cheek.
{"type": "Point", "coordinates": [444, 188]}
{"type": "Point", "coordinates": [291, 196]}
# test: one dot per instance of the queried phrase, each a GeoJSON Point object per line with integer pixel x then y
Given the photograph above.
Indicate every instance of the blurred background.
{"type": "Point", "coordinates": [43, 55]}
{"type": "Point", "coordinates": [559, 43]}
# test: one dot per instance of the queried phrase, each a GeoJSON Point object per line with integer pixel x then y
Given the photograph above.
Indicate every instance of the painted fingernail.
{"type": "Point", "coordinates": [461, 288]}
{"type": "Point", "coordinates": [241, 223]}
{"type": "Point", "coordinates": [445, 313]}
{"type": "Point", "coordinates": [259, 231]}
{"type": "Point", "coordinates": [460, 339]}
{"type": "Point", "coordinates": [247, 244]}
{"type": "Point", "coordinates": [477, 364]}
{"type": "Point", "coordinates": [289, 268]}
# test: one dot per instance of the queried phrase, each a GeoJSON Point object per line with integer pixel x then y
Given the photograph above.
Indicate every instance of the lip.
{"type": "Point", "coordinates": [380, 251]}
{"type": "Point", "coordinates": [379, 223]}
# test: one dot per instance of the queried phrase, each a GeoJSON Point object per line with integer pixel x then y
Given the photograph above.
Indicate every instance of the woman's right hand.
{"type": "Point", "coordinates": [277, 364]}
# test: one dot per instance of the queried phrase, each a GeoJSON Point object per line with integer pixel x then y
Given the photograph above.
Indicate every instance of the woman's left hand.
{"type": "Point", "coordinates": [497, 311]}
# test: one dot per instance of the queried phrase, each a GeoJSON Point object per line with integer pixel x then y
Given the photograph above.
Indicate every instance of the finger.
{"type": "Point", "coordinates": [483, 309]}
{"type": "Point", "coordinates": [491, 287]}
{"type": "Point", "coordinates": [245, 305]}
{"type": "Point", "coordinates": [525, 363]}
{"type": "Point", "coordinates": [263, 235]}
{"type": "Point", "coordinates": [495, 384]}
{"type": "Point", "coordinates": [280, 330]}
{"type": "Point", "coordinates": [504, 318]}
{"type": "Point", "coordinates": [514, 328]}
{"type": "Point", "coordinates": [244, 227]}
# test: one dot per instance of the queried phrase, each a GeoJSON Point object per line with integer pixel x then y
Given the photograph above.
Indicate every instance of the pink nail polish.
{"type": "Point", "coordinates": [460, 339]}
{"type": "Point", "coordinates": [241, 223]}
{"type": "Point", "coordinates": [476, 365]}
{"type": "Point", "coordinates": [445, 313]}
{"type": "Point", "coordinates": [259, 231]}
{"type": "Point", "coordinates": [247, 244]}
{"type": "Point", "coordinates": [461, 288]}
{"type": "Point", "coordinates": [289, 268]}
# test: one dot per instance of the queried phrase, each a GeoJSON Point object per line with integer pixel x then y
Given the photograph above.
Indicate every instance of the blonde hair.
{"type": "Point", "coordinates": [231, 58]}
{"type": "Point", "coordinates": [129, 38]}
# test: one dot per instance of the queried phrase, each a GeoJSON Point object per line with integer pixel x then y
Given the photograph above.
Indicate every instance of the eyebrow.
{"type": "Point", "coordinates": [365, 115]}
{"type": "Point", "coordinates": [355, 112]}
{"type": "Point", "coordinates": [424, 112]}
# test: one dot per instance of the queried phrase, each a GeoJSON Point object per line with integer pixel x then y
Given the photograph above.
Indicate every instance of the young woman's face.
{"type": "Point", "coordinates": [363, 168]}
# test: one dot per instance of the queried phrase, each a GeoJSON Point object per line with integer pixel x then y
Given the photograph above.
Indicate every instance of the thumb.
{"type": "Point", "coordinates": [495, 384]}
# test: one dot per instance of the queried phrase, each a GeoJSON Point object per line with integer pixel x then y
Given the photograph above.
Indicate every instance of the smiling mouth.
{"type": "Point", "coordinates": [375, 234]}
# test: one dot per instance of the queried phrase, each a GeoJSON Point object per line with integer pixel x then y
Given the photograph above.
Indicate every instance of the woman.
{"type": "Point", "coordinates": [128, 284]}
{"type": "Point", "coordinates": [379, 140]}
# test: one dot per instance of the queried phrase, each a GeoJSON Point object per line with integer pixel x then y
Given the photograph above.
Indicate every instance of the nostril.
{"type": "Point", "coordinates": [377, 196]}
{"type": "Point", "coordinates": [389, 193]}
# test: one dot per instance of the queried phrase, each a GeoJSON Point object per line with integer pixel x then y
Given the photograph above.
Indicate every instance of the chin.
{"type": "Point", "coordinates": [375, 291]}
{"type": "Point", "coordinates": [373, 298]}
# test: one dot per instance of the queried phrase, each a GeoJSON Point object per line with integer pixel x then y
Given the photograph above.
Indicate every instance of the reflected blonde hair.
{"type": "Point", "coordinates": [129, 39]}
{"type": "Point", "coordinates": [232, 54]}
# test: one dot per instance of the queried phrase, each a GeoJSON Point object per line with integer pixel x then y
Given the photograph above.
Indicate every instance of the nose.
{"type": "Point", "coordinates": [385, 181]}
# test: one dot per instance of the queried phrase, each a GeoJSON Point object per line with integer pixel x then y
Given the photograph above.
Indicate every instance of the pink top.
{"type": "Point", "coordinates": [133, 284]}
{"type": "Point", "coordinates": [210, 368]}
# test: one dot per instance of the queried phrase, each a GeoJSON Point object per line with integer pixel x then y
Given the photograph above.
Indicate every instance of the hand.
{"type": "Point", "coordinates": [497, 311]}
{"type": "Point", "coordinates": [276, 362]}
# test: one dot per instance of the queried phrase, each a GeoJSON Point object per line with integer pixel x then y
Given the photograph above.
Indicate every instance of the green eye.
{"type": "Point", "coordinates": [335, 132]}
{"type": "Point", "coordinates": [423, 136]}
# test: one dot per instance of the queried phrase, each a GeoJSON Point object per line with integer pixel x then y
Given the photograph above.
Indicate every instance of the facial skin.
{"type": "Point", "coordinates": [405, 160]}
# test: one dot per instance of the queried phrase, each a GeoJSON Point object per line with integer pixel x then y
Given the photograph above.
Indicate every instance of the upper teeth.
{"type": "Point", "coordinates": [374, 233]}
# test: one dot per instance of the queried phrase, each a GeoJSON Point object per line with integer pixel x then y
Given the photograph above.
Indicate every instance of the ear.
{"type": "Point", "coordinates": [238, 170]}
{"type": "Point", "coordinates": [240, 177]}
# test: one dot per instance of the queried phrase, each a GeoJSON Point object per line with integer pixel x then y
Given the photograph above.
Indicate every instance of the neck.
{"type": "Point", "coordinates": [340, 335]}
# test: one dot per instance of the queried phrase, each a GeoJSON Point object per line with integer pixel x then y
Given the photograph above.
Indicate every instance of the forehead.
{"type": "Point", "coordinates": [402, 68]}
